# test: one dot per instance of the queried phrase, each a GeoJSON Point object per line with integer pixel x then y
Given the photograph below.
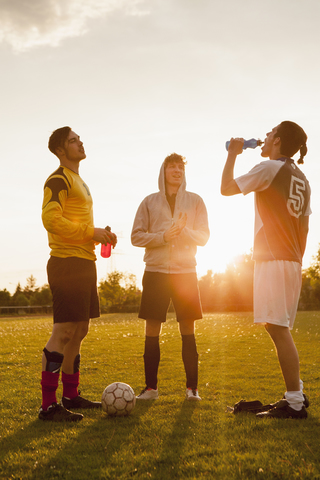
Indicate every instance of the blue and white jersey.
{"type": "Point", "coordinates": [282, 203]}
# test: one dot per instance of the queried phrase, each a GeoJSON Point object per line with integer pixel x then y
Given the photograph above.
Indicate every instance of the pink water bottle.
{"type": "Point", "coordinates": [106, 249]}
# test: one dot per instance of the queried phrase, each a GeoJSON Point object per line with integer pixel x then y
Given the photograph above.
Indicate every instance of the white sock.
{"type": "Point", "coordinates": [295, 399]}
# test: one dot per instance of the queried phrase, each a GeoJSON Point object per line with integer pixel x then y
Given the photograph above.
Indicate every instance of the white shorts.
{"type": "Point", "coordinates": [277, 286]}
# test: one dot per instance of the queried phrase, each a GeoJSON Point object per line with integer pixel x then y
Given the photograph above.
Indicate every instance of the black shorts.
{"type": "Point", "coordinates": [159, 288]}
{"type": "Point", "coordinates": [73, 283]}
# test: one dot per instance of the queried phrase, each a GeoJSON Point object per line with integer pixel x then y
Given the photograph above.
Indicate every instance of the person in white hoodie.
{"type": "Point", "coordinates": [170, 224]}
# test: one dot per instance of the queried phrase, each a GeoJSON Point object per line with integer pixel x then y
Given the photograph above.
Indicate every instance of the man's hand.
{"type": "Point", "coordinates": [175, 230]}
{"type": "Point", "coordinates": [228, 184]}
{"type": "Point", "coordinates": [236, 146]}
{"type": "Point", "coordinates": [181, 222]}
{"type": "Point", "coordinates": [101, 235]}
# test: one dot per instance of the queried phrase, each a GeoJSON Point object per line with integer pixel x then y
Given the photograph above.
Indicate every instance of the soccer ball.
{"type": "Point", "coordinates": [118, 399]}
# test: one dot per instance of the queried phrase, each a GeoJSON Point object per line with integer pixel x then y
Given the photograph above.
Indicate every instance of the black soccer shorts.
{"type": "Point", "coordinates": [160, 288]}
{"type": "Point", "coordinates": [73, 283]}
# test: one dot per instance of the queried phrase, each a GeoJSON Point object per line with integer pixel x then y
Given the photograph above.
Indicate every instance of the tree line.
{"type": "Point", "coordinates": [231, 290]}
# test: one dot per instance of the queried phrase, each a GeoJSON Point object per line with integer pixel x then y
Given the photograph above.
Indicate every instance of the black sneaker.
{"type": "Point", "coordinates": [57, 413]}
{"type": "Point", "coordinates": [79, 402]}
{"type": "Point", "coordinates": [266, 408]}
{"type": "Point", "coordinates": [283, 410]}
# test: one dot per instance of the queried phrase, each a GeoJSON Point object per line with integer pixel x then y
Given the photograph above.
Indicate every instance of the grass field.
{"type": "Point", "coordinates": [168, 438]}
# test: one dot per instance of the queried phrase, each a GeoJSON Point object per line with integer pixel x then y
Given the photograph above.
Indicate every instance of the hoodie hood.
{"type": "Point", "coordinates": [162, 182]}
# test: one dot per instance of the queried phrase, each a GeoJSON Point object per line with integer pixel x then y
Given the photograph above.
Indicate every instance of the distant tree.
{"type": "Point", "coordinates": [314, 270]}
{"type": "Point", "coordinates": [20, 300]}
{"type": "Point", "coordinates": [30, 289]}
{"type": "Point", "coordinates": [118, 292]}
{"type": "Point", "coordinates": [5, 298]}
{"type": "Point", "coordinates": [16, 294]}
{"type": "Point", "coordinates": [132, 292]}
{"type": "Point", "coordinates": [206, 288]}
{"type": "Point", "coordinates": [42, 296]}
{"type": "Point", "coordinates": [310, 290]}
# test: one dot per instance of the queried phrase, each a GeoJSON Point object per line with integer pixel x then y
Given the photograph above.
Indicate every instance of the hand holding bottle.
{"type": "Point", "coordinates": [106, 248]}
{"type": "Point", "coordinates": [252, 143]}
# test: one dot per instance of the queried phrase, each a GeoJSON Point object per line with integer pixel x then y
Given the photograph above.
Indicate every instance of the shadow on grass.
{"type": "Point", "coordinates": [107, 445]}
{"type": "Point", "coordinates": [170, 452]}
{"type": "Point", "coordinates": [95, 444]}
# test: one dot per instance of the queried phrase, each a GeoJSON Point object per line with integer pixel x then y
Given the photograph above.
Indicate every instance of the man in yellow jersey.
{"type": "Point", "coordinates": [67, 216]}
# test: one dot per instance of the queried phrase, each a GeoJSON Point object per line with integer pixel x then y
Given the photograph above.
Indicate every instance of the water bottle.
{"type": "Point", "coordinates": [252, 143]}
{"type": "Point", "coordinates": [106, 249]}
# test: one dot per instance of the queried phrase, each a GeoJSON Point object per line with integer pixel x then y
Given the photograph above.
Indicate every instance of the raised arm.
{"type": "Point", "coordinates": [228, 184]}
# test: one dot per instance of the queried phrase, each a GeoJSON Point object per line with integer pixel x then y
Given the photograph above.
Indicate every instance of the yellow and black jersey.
{"type": "Point", "coordinates": [67, 215]}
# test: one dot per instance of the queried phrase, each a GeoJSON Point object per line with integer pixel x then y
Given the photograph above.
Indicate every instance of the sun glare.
{"type": "Point", "coordinates": [218, 254]}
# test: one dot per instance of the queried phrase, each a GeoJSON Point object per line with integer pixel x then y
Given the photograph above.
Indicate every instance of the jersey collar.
{"type": "Point", "coordinates": [284, 159]}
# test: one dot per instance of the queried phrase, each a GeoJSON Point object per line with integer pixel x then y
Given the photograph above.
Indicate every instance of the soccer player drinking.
{"type": "Point", "coordinates": [282, 209]}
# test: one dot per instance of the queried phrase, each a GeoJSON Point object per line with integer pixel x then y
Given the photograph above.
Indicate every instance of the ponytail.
{"type": "Point", "coordinates": [303, 153]}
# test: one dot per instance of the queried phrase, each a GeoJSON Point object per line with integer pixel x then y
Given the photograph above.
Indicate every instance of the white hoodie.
{"type": "Point", "coordinates": [154, 218]}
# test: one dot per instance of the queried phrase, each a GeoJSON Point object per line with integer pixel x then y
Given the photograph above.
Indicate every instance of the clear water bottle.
{"type": "Point", "coordinates": [106, 249]}
{"type": "Point", "coordinates": [252, 143]}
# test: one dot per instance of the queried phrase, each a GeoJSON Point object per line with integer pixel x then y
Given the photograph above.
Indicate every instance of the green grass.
{"type": "Point", "coordinates": [168, 438]}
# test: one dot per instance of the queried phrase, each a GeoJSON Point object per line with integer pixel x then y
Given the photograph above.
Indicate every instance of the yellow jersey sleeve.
{"type": "Point", "coordinates": [67, 215]}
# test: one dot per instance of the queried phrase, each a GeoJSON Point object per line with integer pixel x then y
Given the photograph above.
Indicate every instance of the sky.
{"type": "Point", "coordinates": [138, 80]}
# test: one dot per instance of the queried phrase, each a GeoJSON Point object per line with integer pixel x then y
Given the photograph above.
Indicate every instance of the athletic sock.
{"type": "Point", "coordinates": [295, 399]}
{"type": "Point", "coordinates": [49, 384]}
{"type": "Point", "coordinates": [151, 361]}
{"type": "Point", "coordinates": [70, 384]}
{"type": "Point", "coordinates": [190, 360]}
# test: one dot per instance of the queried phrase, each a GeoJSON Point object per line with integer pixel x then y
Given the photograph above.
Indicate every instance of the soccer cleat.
{"type": "Point", "coordinates": [306, 402]}
{"type": "Point", "coordinates": [283, 410]}
{"type": "Point", "coordinates": [266, 408]}
{"type": "Point", "coordinates": [192, 394]}
{"type": "Point", "coordinates": [57, 413]}
{"type": "Point", "coordinates": [148, 394]}
{"type": "Point", "coordinates": [79, 402]}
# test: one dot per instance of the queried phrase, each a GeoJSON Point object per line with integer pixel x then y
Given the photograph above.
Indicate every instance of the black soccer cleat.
{"type": "Point", "coordinates": [57, 413]}
{"type": "Point", "coordinates": [266, 408]}
{"type": "Point", "coordinates": [306, 402]}
{"type": "Point", "coordinates": [79, 402]}
{"type": "Point", "coordinates": [283, 410]}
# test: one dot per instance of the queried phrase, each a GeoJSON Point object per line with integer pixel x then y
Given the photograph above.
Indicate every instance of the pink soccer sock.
{"type": "Point", "coordinates": [49, 384]}
{"type": "Point", "coordinates": [70, 384]}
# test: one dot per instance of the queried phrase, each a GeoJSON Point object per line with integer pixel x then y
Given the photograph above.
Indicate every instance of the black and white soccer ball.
{"type": "Point", "coordinates": [118, 399]}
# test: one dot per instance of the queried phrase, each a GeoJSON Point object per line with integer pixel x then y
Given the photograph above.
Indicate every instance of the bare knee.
{"type": "Point", "coordinates": [63, 333]}
{"type": "Point", "coordinates": [153, 328]}
{"type": "Point", "coordinates": [81, 331]}
{"type": "Point", "coordinates": [186, 327]}
{"type": "Point", "coordinates": [277, 332]}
